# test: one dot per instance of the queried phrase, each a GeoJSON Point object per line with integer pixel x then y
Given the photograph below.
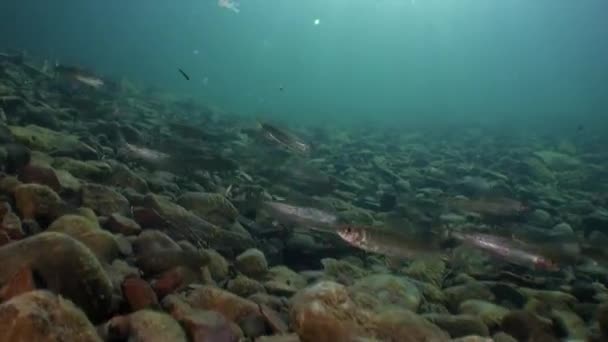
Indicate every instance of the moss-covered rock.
{"type": "Point", "coordinates": [65, 266]}
{"type": "Point", "coordinates": [212, 207]}
{"type": "Point", "coordinates": [42, 316]}
{"type": "Point", "coordinates": [102, 243]}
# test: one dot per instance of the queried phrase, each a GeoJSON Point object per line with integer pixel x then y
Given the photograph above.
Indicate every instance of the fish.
{"type": "Point", "coordinates": [390, 243]}
{"type": "Point", "coordinates": [492, 207]}
{"type": "Point", "coordinates": [145, 154]}
{"type": "Point", "coordinates": [509, 250]}
{"type": "Point", "coordinates": [284, 139]}
{"type": "Point", "coordinates": [184, 74]}
{"type": "Point", "coordinates": [304, 216]}
{"type": "Point", "coordinates": [80, 75]}
{"type": "Point", "coordinates": [395, 244]}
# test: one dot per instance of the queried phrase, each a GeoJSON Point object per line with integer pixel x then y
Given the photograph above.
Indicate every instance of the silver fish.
{"type": "Point", "coordinates": [284, 139]}
{"type": "Point", "coordinates": [389, 243]}
{"type": "Point", "coordinates": [305, 216]}
{"type": "Point", "coordinates": [510, 250]}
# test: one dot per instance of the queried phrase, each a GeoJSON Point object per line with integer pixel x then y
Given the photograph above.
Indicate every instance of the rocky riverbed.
{"type": "Point", "coordinates": [98, 244]}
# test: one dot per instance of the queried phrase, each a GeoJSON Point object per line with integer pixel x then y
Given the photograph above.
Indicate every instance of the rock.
{"type": "Point", "coordinates": [156, 262]}
{"type": "Point", "coordinates": [570, 323]}
{"type": "Point", "coordinates": [472, 290]}
{"type": "Point", "coordinates": [65, 266]}
{"type": "Point", "coordinates": [122, 177]}
{"type": "Point", "coordinates": [273, 319]}
{"type": "Point", "coordinates": [42, 316]}
{"type": "Point", "coordinates": [119, 224]}
{"type": "Point", "coordinates": [187, 246]}
{"type": "Point", "coordinates": [384, 291]}
{"type": "Point", "coordinates": [204, 325]}
{"type": "Point", "coordinates": [139, 294]}
{"type": "Point", "coordinates": [91, 169]}
{"type": "Point", "coordinates": [8, 184]}
{"type": "Point", "coordinates": [218, 266]}
{"type": "Point", "coordinates": [20, 283]}
{"type": "Point", "coordinates": [46, 140]}
{"type": "Point", "coordinates": [103, 200]}
{"type": "Point", "coordinates": [491, 314]}
{"type": "Point", "coordinates": [507, 295]}
{"type": "Point", "coordinates": [522, 324]}
{"type": "Point", "coordinates": [183, 224]}
{"type": "Point", "coordinates": [40, 159]}
{"type": "Point", "coordinates": [244, 286]}
{"type": "Point", "coordinates": [282, 281]}
{"type": "Point", "coordinates": [145, 325]}
{"type": "Point", "coordinates": [427, 270]}
{"type": "Point", "coordinates": [101, 243]}
{"type": "Point", "coordinates": [118, 271]}
{"type": "Point", "coordinates": [459, 325]}
{"type": "Point", "coordinates": [342, 271]}
{"type": "Point", "coordinates": [37, 201]}
{"type": "Point", "coordinates": [40, 175]}
{"type": "Point", "coordinates": [252, 263]}
{"type": "Point", "coordinates": [174, 280]}
{"type": "Point", "coordinates": [597, 220]}
{"type": "Point", "coordinates": [279, 338]}
{"type": "Point", "coordinates": [17, 156]}
{"type": "Point", "coordinates": [212, 207]}
{"type": "Point", "coordinates": [4, 238]}
{"type": "Point", "coordinates": [540, 218]}
{"type": "Point", "coordinates": [233, 307]}
{"type": "Point", "coordinates": [558, 161]}
{"type": "Point", "coordinates": [325, 312]}
{"type": "Point", "coordinates": [153, 240]}
{"type": "Point", "coordinates": [563, 228]}
{"type": "Point", "coordinates": [503, 337]}
{"type": "Point", "coordinates": [602, 319]}
{"type": "Point", "coordinates": [556, 299]}
{"type": "Point", "coordinates": [11, 225]}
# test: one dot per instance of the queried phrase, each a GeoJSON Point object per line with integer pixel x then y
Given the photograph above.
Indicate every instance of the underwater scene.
{"type": "Point", "coordinates": [304, 171]}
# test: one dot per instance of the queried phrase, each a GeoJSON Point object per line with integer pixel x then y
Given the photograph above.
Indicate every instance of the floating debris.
{"type": "Point", "coordinates": [184, 74]}
{"type": "Point", "coordinates": [229, 5]}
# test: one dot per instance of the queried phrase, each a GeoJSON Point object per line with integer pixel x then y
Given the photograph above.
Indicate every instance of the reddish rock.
{"type": "Point", "coordinates": [4, 238]}
{"type": "Point", "coordinates": [21, 282]}
{"type": "Point", "coordinates": [228, 304]}
{"type": "Point", "coordinates": [149, 218]}
{"type": "Point", "coordinates": [40, 175]}
{"type": "Point", "coordinates": [104, 200]}
{"type": "Point", "coordinates": [144, 325]}
{"type": "Point", "coordinates": [43, 316]}
{"type": "Point", "coordinates": [274, 320]}
{"type": "Point", "coordinates": [120, 224]}
{"type": "Point", "coordinates": [202, 326]}
{"type": "Point", "coordinates": [139, 294]}
{"type": "Point", "coordinates": [37, 201]}
{"type": "Point", "coordinates": [11, 224]}
{"type": "Point", "coordinates": [5, 208]}
{"type": "Point", "coordinates": [173, 280]}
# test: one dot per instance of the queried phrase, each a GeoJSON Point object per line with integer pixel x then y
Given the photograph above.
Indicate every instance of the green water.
{"type": "Point", "coordinates": [382, 61]}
